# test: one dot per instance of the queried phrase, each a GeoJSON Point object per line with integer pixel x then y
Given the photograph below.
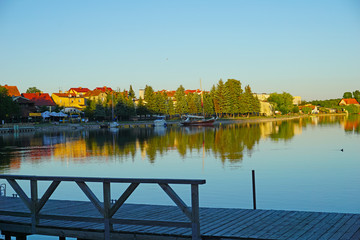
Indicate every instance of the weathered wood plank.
{"type": "Point", "coordinates": [352, 230]}
{"type": "Point", "coordinates": [327, 235]}
{"type": "Point", "coordinates": [344, 228]}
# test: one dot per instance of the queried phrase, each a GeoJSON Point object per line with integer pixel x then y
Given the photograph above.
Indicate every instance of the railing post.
{"type": "Point", "coordinates": [195, 219]}
{"type": "Point", "coordinates": [107, 199]}
{"type": "Point", "coordinates": [253, 188]}
{"type": "Point", "coordinates": [34, 201]}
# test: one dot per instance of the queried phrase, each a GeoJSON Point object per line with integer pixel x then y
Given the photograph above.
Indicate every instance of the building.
{"type": "Point", "coordinates": [69, 100]}
{"type": "Point", "coordinates": [26, 106]}
{"type": "Point", "coordinates": [348, 101]}
{"type": "Point", "coordinates": [262, 96]}
{"type": "Point", "coordinates": [40, 100]}
{"type": "Point", "coordinates": [12, 91]}
{"type": "Point", "coordinates": [78, 91]}
{"type": "Point", "coordinates": [98, 95]}
{"type": "Point", "coordinates": [297, 100]}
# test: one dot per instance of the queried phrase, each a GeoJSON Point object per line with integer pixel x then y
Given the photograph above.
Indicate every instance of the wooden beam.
{"type": "Point", "coordinates": [34, 202]}
{"type": "Point", "coordinates": [123, 198]}
{"type": "Point", "coordinates": [107, 199]}
{"type": "Point", "coordinates": [92, 197]}
{"type": "Point", "coordinates": [195, 220]}
{"type": "Point", "coordinates": [20, 192]}
{"type": "Point", "coordinates": [47, 195]}
{"type": "Point", "coordinates": [176, 199]}
{"type": "Point", "coordinates": [95, 179]}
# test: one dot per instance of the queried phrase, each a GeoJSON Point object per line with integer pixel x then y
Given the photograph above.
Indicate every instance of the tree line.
{"type": "Point", "coordinates": [224, 99]}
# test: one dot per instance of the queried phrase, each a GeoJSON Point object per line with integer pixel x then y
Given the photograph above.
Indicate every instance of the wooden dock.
{"type": "Point", "coordinates": [82, 219]}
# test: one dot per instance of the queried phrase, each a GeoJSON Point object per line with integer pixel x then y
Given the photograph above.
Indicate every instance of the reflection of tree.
{"type": "Point", "coordinates": [352, 124]}
{"type": "Point", "coordinates": [285, 131]}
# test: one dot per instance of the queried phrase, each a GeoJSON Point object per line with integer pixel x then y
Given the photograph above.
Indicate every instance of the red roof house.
{"type": "Point", "coordinates": [79, 90]}
{"type": "Point", "coordinates": [40, 99]}
{"type": "Point", "coordinates": [104, 89]}
{"type": "Point", "coordinates": [348, 101]}
{"type": "Point", "coordinates": [12, 91]}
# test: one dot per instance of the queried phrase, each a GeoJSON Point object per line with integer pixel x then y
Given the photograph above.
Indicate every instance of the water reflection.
{"type": "Point", "coordinates": [227, 142]}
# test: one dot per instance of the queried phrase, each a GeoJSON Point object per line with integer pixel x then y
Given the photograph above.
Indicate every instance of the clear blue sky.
{"type": "Point", "coordinates": [308, 48]}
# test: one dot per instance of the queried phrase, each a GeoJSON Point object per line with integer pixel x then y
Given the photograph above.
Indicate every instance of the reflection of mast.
{"type": "Point", "coordinates": [203, 156]}
{"type": "Point", "coordinates": [112, 106]}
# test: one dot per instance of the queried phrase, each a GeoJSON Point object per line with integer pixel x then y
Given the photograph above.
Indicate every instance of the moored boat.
{"type": "Point", "coordinates": [191, 120]}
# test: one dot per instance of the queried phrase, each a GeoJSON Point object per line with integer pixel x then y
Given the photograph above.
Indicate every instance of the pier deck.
{"type": "Point", "coordinates": [216, 223]}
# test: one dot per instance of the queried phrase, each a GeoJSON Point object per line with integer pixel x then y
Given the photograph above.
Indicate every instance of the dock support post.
{"type": "Point", "coordinates": [253, 188]}
{"type": "Point", "coordinates": [107, 205]}
{"type": "Point", "coordinates": [195, 220]}
{"type": "Point", "coordinates": [34, 201]}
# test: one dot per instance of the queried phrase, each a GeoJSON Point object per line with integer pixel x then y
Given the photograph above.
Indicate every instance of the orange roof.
{"type": "Point", "coordinates": [349, 101]}
{"type": "Point", "coordinates": [96, 92]}
{"type": "Point", "coordinates": [104, 89]}
{"type": "Point", "coordinates": [65, 94]}
{"type": "Point", "coordinates": [40, 99]}
{"type": "Point", "coordinates": [80, 89]}
{"type": "Point", "coordinates": [12, 90]}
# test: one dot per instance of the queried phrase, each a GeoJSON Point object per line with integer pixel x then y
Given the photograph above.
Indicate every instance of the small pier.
{"type": "Point", "coordinates": [95, 219]}
{"type": "Point", "coordinates": [17, 129]}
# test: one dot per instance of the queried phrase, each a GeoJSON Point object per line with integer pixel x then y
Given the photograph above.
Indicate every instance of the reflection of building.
{"type": "Point", "coordinates": [73, 149]}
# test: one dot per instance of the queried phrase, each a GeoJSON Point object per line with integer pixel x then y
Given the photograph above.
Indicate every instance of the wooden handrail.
{"type": "Point", "coordinates": [98, 179]}
{"type": "Point", "coordinates": [105, 208]}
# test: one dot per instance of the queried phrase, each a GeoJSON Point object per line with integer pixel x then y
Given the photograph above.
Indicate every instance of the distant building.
{"type": "Point", "coordinates": [12, 91]}
{"type": "Point", "coordinates": [40, 99]}
{"type": "Point", "coordinates": [26, 106]}
{"type": "Point", "coordinates": [96, 95]}
{"type": "Point", "coordinates": [69, 100]}
{"type": "Point", "coordinates": [297, 100]}
{"type": "Point", "coordinates": [262, 96]}
{"type": "Point", "coordinates": [348, 101]}
{"type": "Point", "coordinates": [78, 91]}
{"type": "Point", "coordinates": [104, 89]}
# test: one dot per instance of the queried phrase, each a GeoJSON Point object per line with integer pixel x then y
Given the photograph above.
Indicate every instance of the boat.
{"type": "Point", "coordinates": [160, 121]}
{"type": "Point", "coordinates": [114, 125]}
{"type": "Point", "coordinates": [192, 120]}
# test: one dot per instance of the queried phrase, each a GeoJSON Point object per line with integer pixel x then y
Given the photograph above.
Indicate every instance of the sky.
{"type": "Point", "coordinates": [307, 48]}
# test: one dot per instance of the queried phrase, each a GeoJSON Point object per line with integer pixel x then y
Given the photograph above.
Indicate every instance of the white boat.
{"type": "Point", "coordinates": [160, 121]}
{"type": "Point", "coordinates": [114, 125]}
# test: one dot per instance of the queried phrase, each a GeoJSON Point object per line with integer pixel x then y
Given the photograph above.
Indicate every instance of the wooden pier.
{"type": "Point", "coordinates": [23, 215]}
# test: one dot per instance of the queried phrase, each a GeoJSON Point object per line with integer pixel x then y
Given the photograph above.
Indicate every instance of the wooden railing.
{"type": "Point", "coordinates": [105, 208]}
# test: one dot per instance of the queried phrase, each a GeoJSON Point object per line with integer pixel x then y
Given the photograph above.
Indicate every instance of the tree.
{"type": "Point", "coordinates": [356, 95]}
{"type": "Point", "coordinates": [131, 92]}
{"type": "Point", "coordinates": [100, 111]}
{"type": "Point", "coordinates": [283, 102]}
{"type": "Point", "coordinates": [232, 92]}
{"type": "Point", "coordinates": [141, 108]}
{"type": "Point", "coordinates": [181, 104]}
{"type": "Point", "coordinates": [347, 95]}
{"type": "Point", "coordinates": [149, 97]}
{"type": "Point", "coordinates": [8, 108]}
{"type": "Point", "coordinates": [33, 90]}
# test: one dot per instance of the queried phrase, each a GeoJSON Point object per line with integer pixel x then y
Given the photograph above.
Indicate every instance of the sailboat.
{"type": "Point", "coordinates": [113, 124]}
{"type": "Point", "coordinates": [193, 120]}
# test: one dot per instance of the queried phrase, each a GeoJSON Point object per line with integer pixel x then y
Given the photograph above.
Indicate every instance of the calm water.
{"type": "Point", "coordinates": [298, 163]}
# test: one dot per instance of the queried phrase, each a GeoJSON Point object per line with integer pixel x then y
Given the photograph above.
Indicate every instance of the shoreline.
{"type": "Point", "coordinates": [95, 125]}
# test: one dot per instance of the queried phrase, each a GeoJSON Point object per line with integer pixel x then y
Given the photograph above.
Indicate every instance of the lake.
{"type": "Point", "coordinates": [298, 163]}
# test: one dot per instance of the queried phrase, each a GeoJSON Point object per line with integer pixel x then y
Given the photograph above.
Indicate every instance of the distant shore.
{"type": "Point", "coordinates": [55, 126]}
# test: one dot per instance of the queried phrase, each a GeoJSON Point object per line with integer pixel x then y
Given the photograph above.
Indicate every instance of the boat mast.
{"type": "Point", "coordinates": [202, 99]}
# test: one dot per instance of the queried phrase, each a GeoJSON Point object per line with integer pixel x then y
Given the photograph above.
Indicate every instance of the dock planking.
{"type": "Point", "coordinates": [216, 223]}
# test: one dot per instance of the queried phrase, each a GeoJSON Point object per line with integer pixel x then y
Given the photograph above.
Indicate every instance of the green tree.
{"type": "Point", "coordinates": [131, 92]}
{"type": "Point", "coordinates": [8, 108]}
{"type": "Point", "coordinates": [283, 102]}
{"type": "Point", "coordinates": [149, 97]}
{"type": "Point", "coordinates": [356, 95]}
{"type": "Point", "coordinates": [141, 109]}
{"type": "Point", "coordinates": [219, 100]}
{"type": "Point", "coordinates": [306, 110]}
{"type": "Point", "coordinates": [347, 95]}
{"type": "Point", "coordinates": [232, 93]}
{"type": "Point", "coordinates": [181, 103]}
{"type": "Point", "coordinates": [208, 104]}
{"type": "Point", "coordinates": [100, 111]}
{"type": "Point", "coordinates": [170, 107]}
{"type": "Point", "coordinates": [33, 90]}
